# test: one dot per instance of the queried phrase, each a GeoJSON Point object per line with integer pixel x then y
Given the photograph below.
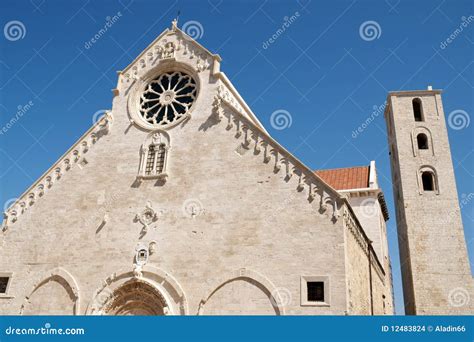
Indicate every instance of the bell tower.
{"type": "Point", "coordinates": [435, 267]}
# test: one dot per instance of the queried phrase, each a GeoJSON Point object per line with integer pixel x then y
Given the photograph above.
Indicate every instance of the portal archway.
{"type": "Point", "coordinates": [135, 297]}
{"type": "Point", "coordinates": [154, 292]}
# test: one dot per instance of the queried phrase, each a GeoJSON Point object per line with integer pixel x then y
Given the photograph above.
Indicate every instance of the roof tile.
{"type": "Point", "coordinates": [346, 178]}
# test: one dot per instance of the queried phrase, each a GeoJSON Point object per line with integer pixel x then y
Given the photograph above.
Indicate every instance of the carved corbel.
{"type": "Point", "coordinates": [93, 138]}
{"type": "Point", "coordinates": [300, 186]}
{"type": "Point", "coordinates": [217, 106]}
{"type": "Point", "coordinates": [67, 164]}
{"type": "Point", "coordinates": [277, 165]}
{"type": "Point", "coordinates": [76, 155]}
{"type": "Point", "coordinates": [85, 146]}
{"type": "Point", "coordinates": [49, 181]}
{"type": "Point", "coordinates": [58, 173]}
{"type": "Point", "coordinates": [31, 198]}
{"type": "Point", "coordinates": [238, 132]}
{"type": "Point", "coordinates": [246, 142]}
{"type": "Point", "coordinates": [288, 170]}
{"type": "Point", "coordinates": [323, 206]}
{"type": "Point", "coordinates": [336, 212]}
{"type": "Point", "coordinates": [266, 154]}
{"type": "Point", "coordinates": [256, 138]}
{"type": "Point", "coordinates": [40, 190]}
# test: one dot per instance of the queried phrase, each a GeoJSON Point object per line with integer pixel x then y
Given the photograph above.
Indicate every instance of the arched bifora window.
{"type": "Point", "coordinates": [417, 109]}
{"type": "Point", "coordinates": [422, 141]}
{"type": "Point", "coordinates": [428, 180]}
{"type": "Point", "coordinates": [154, 156]}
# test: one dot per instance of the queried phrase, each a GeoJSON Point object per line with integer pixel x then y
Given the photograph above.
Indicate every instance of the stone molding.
{"type": "Point", "coordinates": [252, 137]}
{"type": "Point", "coordinates": [167, 286]}
{"type": "Point", "coordinates": [353, 226]}
{"type": "Point", "coordinates": [71, 158]}
{"type": "Point", "coordinates": [244, 273]}
{"type": "Point", "coordinates": [66, 277]}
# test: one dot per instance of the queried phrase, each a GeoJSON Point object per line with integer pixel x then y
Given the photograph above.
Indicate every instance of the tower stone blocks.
{"type": "Point", "coordinates": [434, 261]}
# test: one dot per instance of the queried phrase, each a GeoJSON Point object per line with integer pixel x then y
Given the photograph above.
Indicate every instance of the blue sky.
{"type": "Point", "coordinates": [325, 71]}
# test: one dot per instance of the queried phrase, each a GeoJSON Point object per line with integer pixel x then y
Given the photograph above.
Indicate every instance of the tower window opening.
{"type": "Point", "coordinates": [427, 178]}
{"type": "Point", "coordinates": [417, 110]}
{"type": "Point", "coordinates": [422, 141]}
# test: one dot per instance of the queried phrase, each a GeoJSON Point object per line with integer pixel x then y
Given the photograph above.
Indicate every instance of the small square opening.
{"type": "Point", "coordinates": [4, 284]}
{"type": "Point", "coordinates": [315, 291]}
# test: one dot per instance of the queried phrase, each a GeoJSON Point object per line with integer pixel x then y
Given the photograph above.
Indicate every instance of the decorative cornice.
{"type": "Point", "coordinates": [169, 46]}
{"type": "Point", "coordinates": [73, 156]}
{"type": "Point", "coordinates": [252, 137]}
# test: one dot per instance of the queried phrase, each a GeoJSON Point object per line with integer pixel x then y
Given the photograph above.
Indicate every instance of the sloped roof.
{"type": "Point", "coordinates": [346, 178]}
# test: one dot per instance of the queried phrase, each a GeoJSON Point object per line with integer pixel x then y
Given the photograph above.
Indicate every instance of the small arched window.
{"type": "Point", "coordinates": [155, 160]}
{"type": "Point", "coordinates": [428, 181]}
{"type": "Point", "coordinates": [417, 109]}
{"type": "Point", "coordinates": [153, 156]}
{"type": "Point", "coordinates": [422, 141]}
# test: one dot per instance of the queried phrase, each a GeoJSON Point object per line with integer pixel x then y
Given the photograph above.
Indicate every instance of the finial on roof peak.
{"type": "Point", "coordinates": [174, 22]}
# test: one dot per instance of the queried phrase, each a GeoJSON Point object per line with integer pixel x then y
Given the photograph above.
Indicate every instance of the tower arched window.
{"type": "Point", "coordinates": [428, 181]}
{"type": "Point", "coordinates": [154, 155]}
{"type": "Point", "coordinates": [417, 109]}
{"type": "Point", "coordinates": [422, 141]}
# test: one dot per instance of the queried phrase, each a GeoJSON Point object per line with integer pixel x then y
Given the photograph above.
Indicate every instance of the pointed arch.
{"type": "Point", "coordinates": [275, 295]}
{"type": "Point", "coordinates": [66, 280]}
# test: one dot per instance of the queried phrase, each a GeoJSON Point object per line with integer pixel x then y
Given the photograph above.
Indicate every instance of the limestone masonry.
{"type": "Point", "coordinates": [178, 202]}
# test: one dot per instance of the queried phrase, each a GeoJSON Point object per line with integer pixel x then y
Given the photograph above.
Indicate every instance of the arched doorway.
{"type": "Point", "coordinates": [153, 292]}
{"type": "Point", "coordinates": [135, 297]}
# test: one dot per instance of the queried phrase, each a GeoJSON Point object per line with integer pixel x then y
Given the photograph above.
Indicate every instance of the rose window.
{"type": "Point", "coordinates": [168, 98]}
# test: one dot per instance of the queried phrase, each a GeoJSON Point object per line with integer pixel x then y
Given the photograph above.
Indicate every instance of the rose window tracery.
{"type": "Point", "coordinates": [168, 98]}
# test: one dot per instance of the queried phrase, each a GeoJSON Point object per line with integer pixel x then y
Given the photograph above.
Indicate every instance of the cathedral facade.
{"type": "Point", "coordinates": [177, 201]}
